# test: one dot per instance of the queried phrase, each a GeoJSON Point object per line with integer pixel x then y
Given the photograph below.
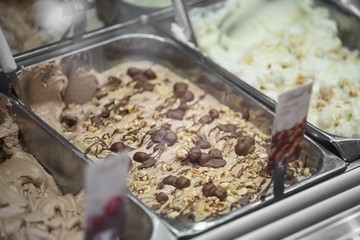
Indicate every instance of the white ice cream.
{"type": "Point", "coordinates": [280, 44]}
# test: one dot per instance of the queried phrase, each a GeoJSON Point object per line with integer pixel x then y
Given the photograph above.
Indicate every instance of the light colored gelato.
{"type": "Point", "coordinates": [193, 157]}
{"type": "Point", "coordinates": [278, 45]}
{"type": "Point", "coordinates": [31, 206]}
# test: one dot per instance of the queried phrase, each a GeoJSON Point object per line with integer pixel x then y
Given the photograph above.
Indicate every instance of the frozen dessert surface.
{"type": "Point", "coordinates": [31, 206]}
{"type": "Point", "coordinates": [278, 45]}
{"type": "Point", "coordinates": [193, 157]}
{"type": "Point", "coordinates": [34, 23]}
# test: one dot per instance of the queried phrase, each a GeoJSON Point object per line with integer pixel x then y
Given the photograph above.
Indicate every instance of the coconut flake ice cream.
{"type": "Point", "coordinates": [278, 45]}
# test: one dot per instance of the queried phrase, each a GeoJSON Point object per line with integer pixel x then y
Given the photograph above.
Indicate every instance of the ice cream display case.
{"type": "Point", "coordinates": [197, 140]}
{"type": "Point", "coordinates": [47, 200]}
{"type": "Point", "coordinates": [276, 45]}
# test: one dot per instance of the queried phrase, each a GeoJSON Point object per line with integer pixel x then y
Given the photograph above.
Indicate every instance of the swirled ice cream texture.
{"type": "Point", "coordinates": [283, 44]}
{"type": "Point", "coordinates": [31, 206]}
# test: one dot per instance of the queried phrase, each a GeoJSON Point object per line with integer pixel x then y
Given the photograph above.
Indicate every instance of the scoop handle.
{"type": "Point", "coordinates": [7, 61]}
{"type": "Point", "coordinates": [184, 20]}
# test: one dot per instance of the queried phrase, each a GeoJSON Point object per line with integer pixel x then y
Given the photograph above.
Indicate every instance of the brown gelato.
{"type": "Point", "coordinates": [31, 206]}
{"type": "Point", "coordinates": [193, 157]}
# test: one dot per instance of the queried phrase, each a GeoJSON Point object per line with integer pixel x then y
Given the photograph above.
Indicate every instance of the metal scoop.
{"type": "Point", "coordinates": [8, 66]}
{"type": "Point", "coordinates": [183, 20]}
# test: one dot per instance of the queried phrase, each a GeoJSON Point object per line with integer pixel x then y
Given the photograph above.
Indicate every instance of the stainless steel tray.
{"type": "Point", "coordinates": [347, 16]}
{"type": "Point", "coordinates": [66, 165]}
{"type": "Point", "coordinates": [191, 65]}
{"type": "Point", "coordinates": [344, 225]}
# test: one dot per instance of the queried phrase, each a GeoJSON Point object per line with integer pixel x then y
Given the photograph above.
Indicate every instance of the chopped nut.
{"type": "Point", "coordinates": [250, 185]}
{"type": "Point", "coordinates": [242, 191]}
{"type": "Point", "coordinates": [144, 189]}
{"type": "Point", "coordinates": [307, 172]}
{"type": "Point", "coordinates": [230, 199]}
{"type": "Point", "coordinates": [221, 206]}
{"type": "Point", "coordinates": [144, 178]}
{"type": "Point", "coordinates": [92, 128]}
{"type": "Point", "coordinates": [173, 214]}
{"type": "Point", "coordinates": [117, 117]}
{"type": "Point", "coordinates": [224, 184]}
{"type": "Point", "coordinates": [181, 154]}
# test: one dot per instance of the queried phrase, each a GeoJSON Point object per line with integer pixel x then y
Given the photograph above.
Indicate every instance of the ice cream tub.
{"type": "Point", "coordinates": [39, 143]}
{"type": "Point", "coordinates": [270, 54]}
{"type": "Point", "coordinates": [192, 133]}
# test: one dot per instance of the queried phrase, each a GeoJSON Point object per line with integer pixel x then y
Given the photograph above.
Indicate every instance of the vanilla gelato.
{"type": "Point", "coordinates": [278, 45]}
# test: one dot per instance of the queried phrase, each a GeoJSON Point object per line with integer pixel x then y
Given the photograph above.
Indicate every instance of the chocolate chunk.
{"type": "Point", "coordinates": [144, 85]}
{"type": "Point", "coordinates": [120, 147]}
{"type": "Point", "coordinates": [140, 77]}
{"type": "Point", "coordinates": [112, 85]}
{"type": "Point", "coordinates": [179, 89]}
{"type": "Point", "coordinates": [148, 163]}
{"type": "Point", "coordinates": [183, 107]}
{"type": "Point", "coordinates": [166, 126]}
{"type": "Point", "coordinates": [249, 140]}
{"type": "Point", "coordinates": [105, 113]}
{"type": "Point", "coordinates": [203, 144]}
{"type": "Point", "coordinates": [175, 114]}
{"type": "Point", "coordinates": [158, 135]}
{"type": "Point", "coordinates": [205, 119]}
{"type": "Point", "coordinates": [188, 96]}
{"type": "Point", "coordinates": [208, 189]}
{"type": "Point", "coordinates": [170, 138]}
{"type": "Point", "coordinates": [100, 94]}
{"type": "Point", "coordinates": [289, 174]}
{"type": "Point", "coordinates": [216, 153]}
{"type": "Point", "coordinates": [221, 193]}
{"type": "Point", "coordinates": [169, 180]}
{"type": "Point", "coordinates": [182, 182]}
{"type": "Point", "coordinates": [122, 112]}
{"type": "Point", "coordinates": [207, 160]}
{"type": "Point", "coordinates": [150, 74]}
{"type": "Point", "coordinates": [113, 79]}
{"type": "Point", "coordinates": [161, 197]}
{"type": "Point", "coordinates": [194, 154]}
{"type": "Point", "coordinates": [69, 122]}
{"type": "Point", "coordinates": [95, 120]}
{"type": "Point", "coordinates": [243, 148]}
{"type": "Point", "coordinates": [132, 71]}
{"type": "Point", "coordinates": [141, 157]}
{"type": "Point", "coordinates": [216, 163]}
{"type": "Point", "coordinates": [148, 87]}
{"type": "Point", "coordinates": [124, 101]}
{"type": "Point", "coordinates": [204, 159]}
{"type": "Point", "coordinates": [214, 113]}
